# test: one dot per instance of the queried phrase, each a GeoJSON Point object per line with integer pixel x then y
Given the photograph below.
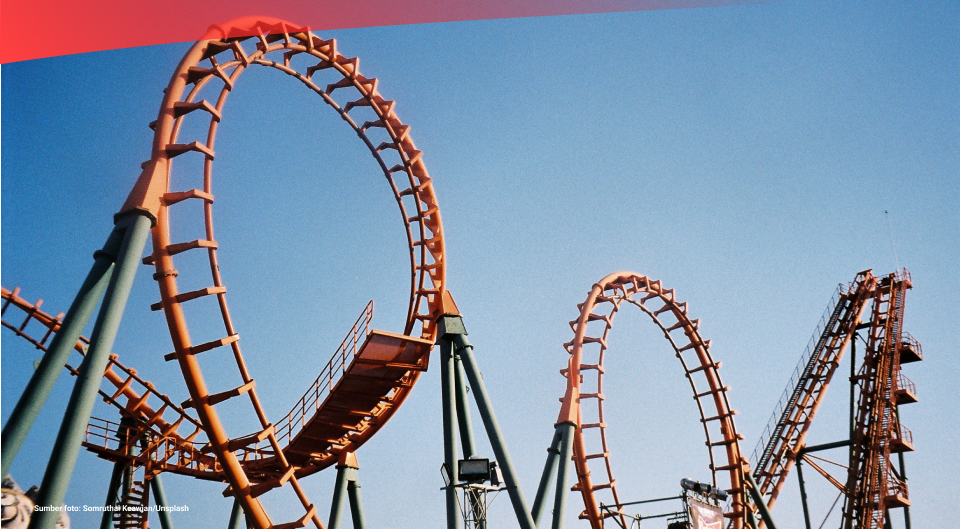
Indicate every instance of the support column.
{"type": "Point", "coordinates": [853, 398]}
{"type": "Point", "coordinates": [463, 411]}
{"type": "Point", "coordinates": [339, 491]}
{"type": "Point", "coordinates": [53, 489]}
{"type": "Point", "coordinates": [356, 506]}
{"type": "Point", "coordinates": [347, 486]}
{"type": "Point", "coordinates": [803, 491]}
{"type": "Point", "coordinates": [448, 395]}
{"type": "Point", "coordinates": [236, 515]}
{"type": "Point", "coordinates": [43, 379]}
{"type": "Point", "coordinates": [549, 470]}
{"type": "Point", "coordinates": [161, 501]}
{"type": "Point", "coordinates": [449, 327]}
{"type": "Point", "coordinates": [758, 499]}
{"type": "Point", "coordinates": [566, 452]}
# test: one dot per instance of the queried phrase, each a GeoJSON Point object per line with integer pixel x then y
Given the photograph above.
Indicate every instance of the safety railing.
{"type": "Point", "coordinates": [897, 487]}
{"type": "Point", "coordinates": [904, 383]}
{"type": "Point", "coordinates": [166, 453]}
{"type": "Point", "coordinates": [904, 435]}
{"type": "Point", "coordinates": [788, 395]}
{"type": "Point", "coordinates": [333, 370]}
{"type": "Point", "coordinates": [912, 343]}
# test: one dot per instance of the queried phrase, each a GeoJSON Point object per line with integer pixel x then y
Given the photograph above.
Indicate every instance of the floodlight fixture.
{"type": "Point", "coordinates": [474, 470]}
{"type": "Point", "coordinates": [707, 490]}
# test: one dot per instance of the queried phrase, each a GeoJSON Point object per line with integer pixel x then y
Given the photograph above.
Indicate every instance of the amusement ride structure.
{"type": "Point", "coordinates": [873, 484]}
{"type": "Point", "coordinates": [372, 372]}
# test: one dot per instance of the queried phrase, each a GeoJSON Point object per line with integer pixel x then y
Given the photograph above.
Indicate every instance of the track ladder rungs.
{"type": "Point", "coordinates": [192, 295]}
{"type": "Point", "coordinates": [174, 197]}
{"type": "Point", "coordinates": [182, 108]}
{"type": "Point", "coordinates": [601, 425]}
{"type": "Point", "coordinates": [196, 73]}
{"type": "Point", "coordinates": [206, 346]}
{"type": "Point", "coordinates": [245, 441]}
{"type": "Point", "coordinates": [213, 399]}
{"type": "Point", "coordinates": [177, 248]}
{"type": "Point", "coordinates": [173, 150]}
{"type": "Point", "coordinates": [711, 391]}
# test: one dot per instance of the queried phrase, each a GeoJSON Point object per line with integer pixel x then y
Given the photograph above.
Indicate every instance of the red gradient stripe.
{"type": "Point", "coordinates": [33, 29]}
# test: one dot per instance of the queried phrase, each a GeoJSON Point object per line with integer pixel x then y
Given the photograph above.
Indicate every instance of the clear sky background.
{"type": "Point", "coordinates": [743, 155]}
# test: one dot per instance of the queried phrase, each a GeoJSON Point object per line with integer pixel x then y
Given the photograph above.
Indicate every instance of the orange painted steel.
{"type": "Point", "coordinates": [153, 420]}
{"type": "Point", "coordinates": [786, 432]}
{"type": "Point", "coordinates": [873, 485]}
{"type": "Point", "coordinates": [591, 330]}
{"type": "Point", "coordinates": [216, 65]}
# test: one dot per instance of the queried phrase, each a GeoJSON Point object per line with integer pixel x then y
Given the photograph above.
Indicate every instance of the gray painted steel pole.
{"type": "Point", "coordinates": [53, 489]}
{"type": "Point", "coordinates": [356, 506]}
{"type": "Point", "coordinates": [493, 431]}
{"type": "Point", "coordinates": [853, 389]}
{"type": "Point", "coordinates": [339, 495]}
{"type": "Point", "coordinates": [448, 395]}
{"type": "Point", "coordinates": [803, 492]}
{"type": "Point", "coordinates": [549, 470]}
{"type": "Point", "coordinates": [566, 452]}
{"type": "Point", "coordinates": [463, 412]}
{"type": "Point", "coordinates": [161, 501]}
{"type": "Point", "coordinates": [758, 499]}
{"type": "Point", "coordinates": [58, 352]}
{"type": "Point", "coordinates": [106, 520]}
{"type": "Point", "coordinates": [236, 515]}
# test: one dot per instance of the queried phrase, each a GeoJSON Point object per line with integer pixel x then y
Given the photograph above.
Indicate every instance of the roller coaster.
{"type": "Point", "coordinates": [372, 371]}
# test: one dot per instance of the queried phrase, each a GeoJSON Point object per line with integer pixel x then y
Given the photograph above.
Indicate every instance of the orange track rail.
{"type": "Point", "coordinates": [587, 351]}
{"type": "Point", "coordinates": [216, 65]}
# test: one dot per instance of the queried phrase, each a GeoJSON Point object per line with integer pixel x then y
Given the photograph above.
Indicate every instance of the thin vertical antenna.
{"type": "Point", "coordinates": [894, 245]}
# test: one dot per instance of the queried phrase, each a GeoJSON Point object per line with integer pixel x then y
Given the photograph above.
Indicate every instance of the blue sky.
{"type": "Point", "coordinates": [743, 155]}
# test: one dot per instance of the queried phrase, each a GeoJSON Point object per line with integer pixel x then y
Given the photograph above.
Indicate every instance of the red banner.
{"type": "Point", "coordinates": [47, 28]}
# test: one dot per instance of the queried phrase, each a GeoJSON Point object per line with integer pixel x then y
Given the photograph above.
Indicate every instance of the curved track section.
{"type": "Point", "coordinates": [210, 69]}
{"type": "Point", "coordinates": [587, 351]}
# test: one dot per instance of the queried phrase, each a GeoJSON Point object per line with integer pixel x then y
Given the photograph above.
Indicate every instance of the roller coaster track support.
{"type": "Point", "coordinates": [347, 485]}
{"type": "Point", "coordinates": [41, 383]}
{"type": "Point", "coordinates": [872, 485]}
{"type": "Point", "coordinates": [453, 343]}
{"type": "Point", "coordinates": [135, 229]}
{"type": "Point", "coordinates": [558, 462]}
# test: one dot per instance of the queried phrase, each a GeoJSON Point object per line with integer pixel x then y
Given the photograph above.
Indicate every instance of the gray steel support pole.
{"type": "Point", "coordinates": [758, 499]}
{"type": "Point", "coordinates": [463, 412]}
{"type": "Point", "coordinates": [106, 520]}
{"type": "Point", "coordinates": [448, 395]}
{"type": "Point", "coordinates": [803, 492]}
{"type": "Point", "coordinates": [58, 352]}
{"type": "Point", "coordinates": [339, 495]}
{"type": "Point", "coordinates": [356, 506]}
{"type": "Point", "coordinates": [53, 489]}
{"type": "Point", "coordinates": [161, 501]}
{"type": "Point", "coordinates": [493, 430]}
{"type": "Point", "coordinates": [549, 470]}
{"type": "Point", "coordinates": [853, 390]}
{"type": "Point", "coordinates": [566, 452]}
{"type": "Point", "coordinates": [236, 515]}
